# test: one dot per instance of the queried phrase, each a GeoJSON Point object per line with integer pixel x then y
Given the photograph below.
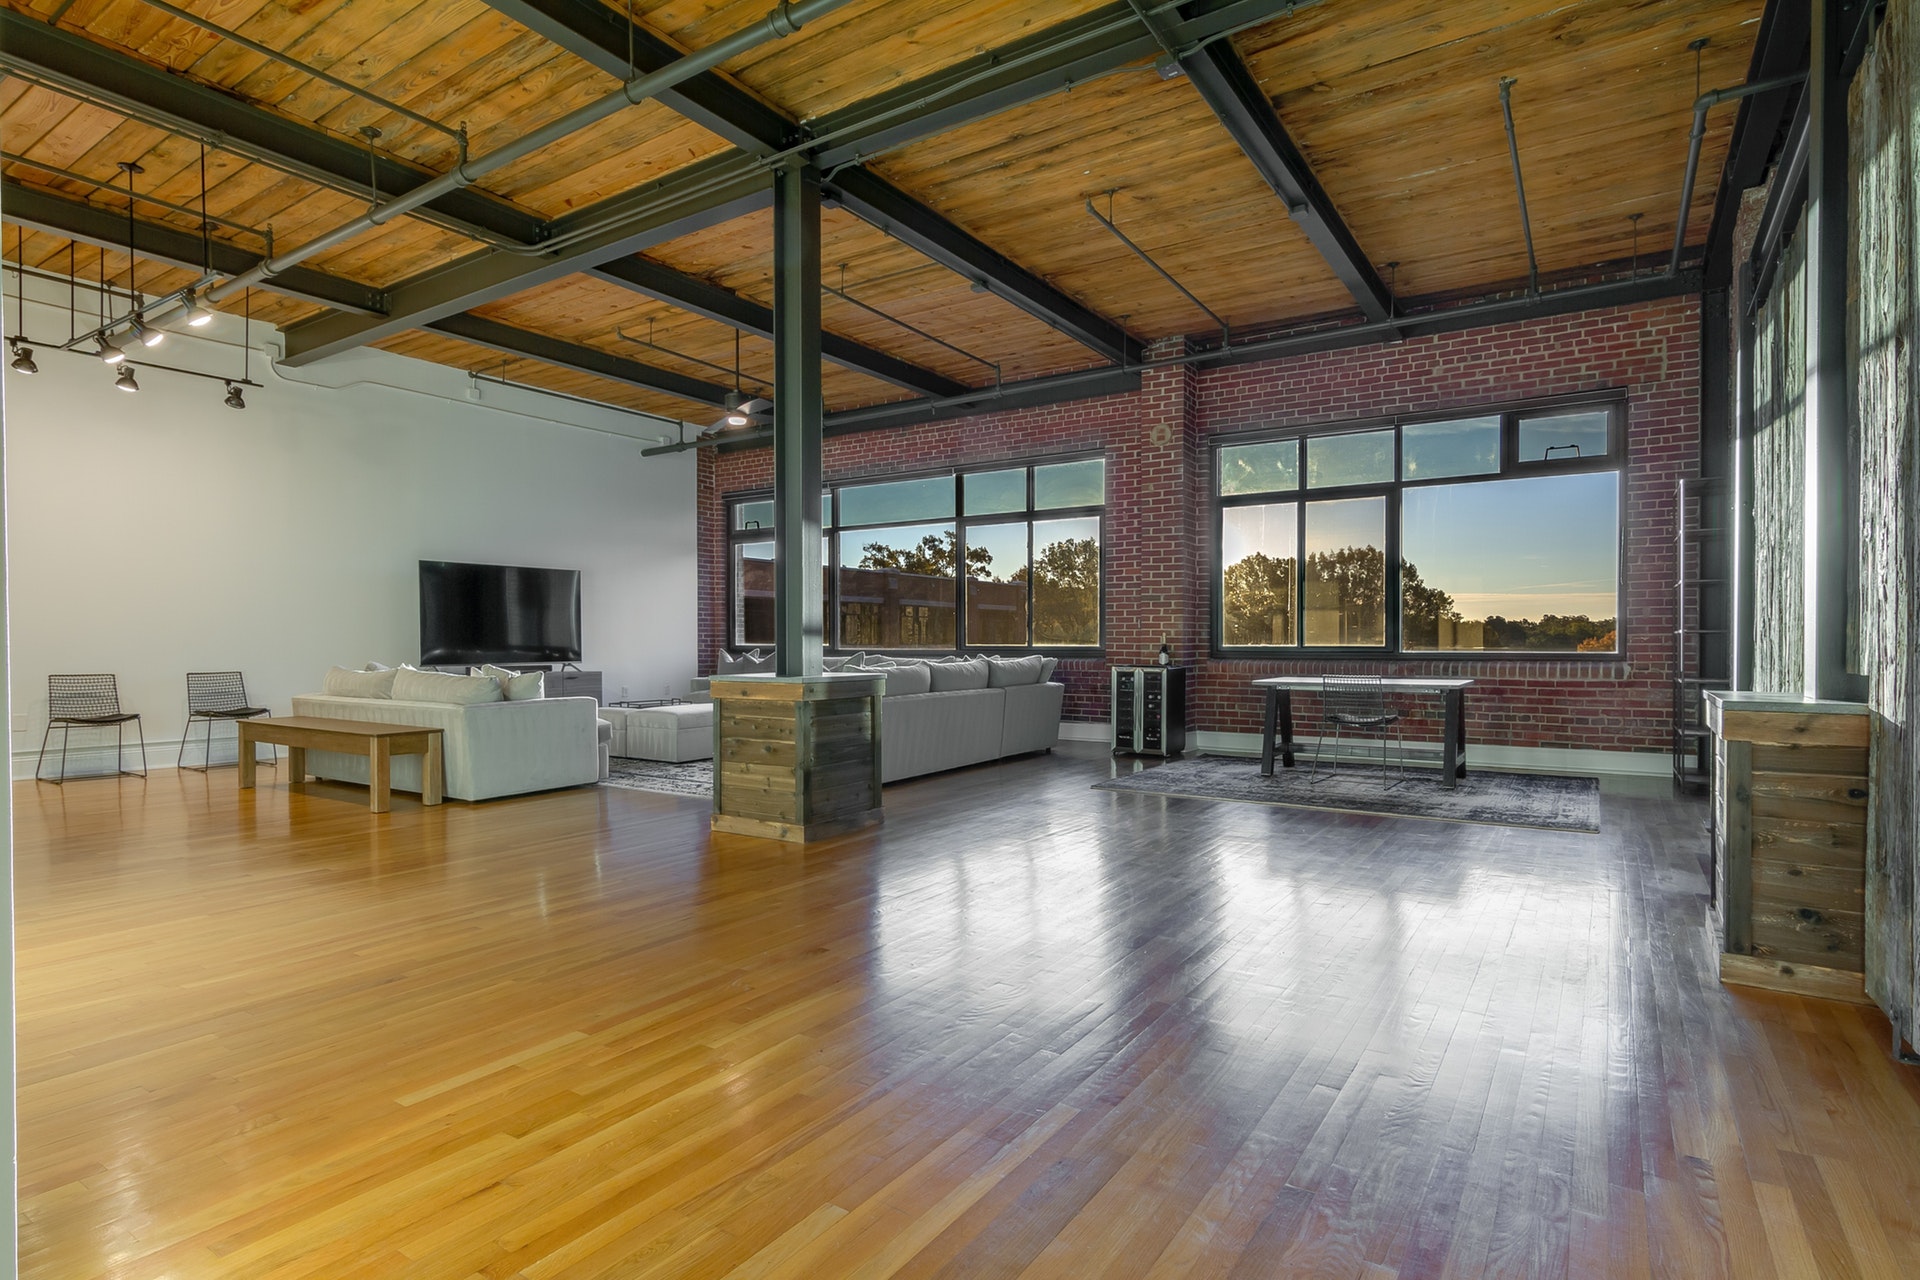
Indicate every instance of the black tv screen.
{"type": "Point", "coordinates": [497, 613]}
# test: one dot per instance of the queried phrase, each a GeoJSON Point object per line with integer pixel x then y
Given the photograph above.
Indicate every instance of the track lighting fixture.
{"type": "Point", "coordinates": [734, 404]}
{"type": "Point", "coordinates": [125, 381]}
{"type": "Point", "coordinates": [22, 358]}
{"type": "Point", "coordinates": [146, 333]}
{"type": "Point", "coordinates": [234, 399]}
{"type": "Point", "coordinates": [197, 316]}
{"type": "Point", "coordinates": [109, 352]}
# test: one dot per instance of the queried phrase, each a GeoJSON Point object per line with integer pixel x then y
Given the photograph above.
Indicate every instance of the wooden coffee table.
{"type": "Point", "coordinates": [379, 743]}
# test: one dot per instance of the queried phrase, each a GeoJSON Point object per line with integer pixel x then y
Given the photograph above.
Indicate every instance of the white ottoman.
{"type": "Point", "coordinates": [679, 732]}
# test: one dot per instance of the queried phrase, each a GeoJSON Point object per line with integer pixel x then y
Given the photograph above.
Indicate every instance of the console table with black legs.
{"type": "Point", "coordinates": [1278, 721]}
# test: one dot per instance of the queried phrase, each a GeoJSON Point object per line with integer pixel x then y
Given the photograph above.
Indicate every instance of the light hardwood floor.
{"type": "Point", "coordinates": [1024, 1029]}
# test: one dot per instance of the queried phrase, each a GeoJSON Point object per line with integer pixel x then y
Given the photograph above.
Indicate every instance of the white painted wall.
{"type": "Point", "coordinates": [158, 533]}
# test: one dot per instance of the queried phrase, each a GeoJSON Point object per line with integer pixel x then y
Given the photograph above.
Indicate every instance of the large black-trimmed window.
{"type": "Point", "coordinates": [998, 558]}
{"type": "Point", "coordinates": [1490, 532]}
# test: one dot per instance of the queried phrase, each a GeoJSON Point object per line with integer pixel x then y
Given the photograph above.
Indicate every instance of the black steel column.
{"type": "Point", "coordinates": [1743, 531]}
{"type": "Point", "coordinates": [797, 411]}
{"type": "Point", "coordinates": [1832, 538]}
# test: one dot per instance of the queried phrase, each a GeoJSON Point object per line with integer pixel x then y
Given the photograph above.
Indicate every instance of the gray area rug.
{"type": "Point", "coordinates": [692, 778]}
{"type": "Point", "coordinates": [1501, 799]}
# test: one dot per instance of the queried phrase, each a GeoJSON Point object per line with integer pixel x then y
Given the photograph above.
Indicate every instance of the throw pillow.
{"type": "Point", "coordinates": [950, 676]}
{"type": "Point", "coordinates": [1004, 673]}
{"type": "Point", "coordinates": [518, 686]}
{"type": "Point", "coordinates": [908, 678]}
{"type": "Point", "coordinates": [359, 684]}
{"type": "Point", "coordinates": [1046, 668]}
{"type": "Point", "coordinates": [376, 666]}
{"type": "Point", "coordinates": [410, 685]}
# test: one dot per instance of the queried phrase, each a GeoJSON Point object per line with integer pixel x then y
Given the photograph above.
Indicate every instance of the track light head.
{"type": "Point", "coordinates": [234, 399]}
{"type": "Point", "coordinates": [198, 316]}
{"type": "Point", "coordinates": [22, 358]}
{"type": "Point", "coordinates": [126, 381]}
{"type": "Point", "coordinates": [110, 353]}
{"type": "Point", "coordinates": [148, 335]}
{"type": "Point", "coordinates": [736, 419]}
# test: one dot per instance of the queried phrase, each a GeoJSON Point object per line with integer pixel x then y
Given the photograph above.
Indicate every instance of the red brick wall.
{"type": "Point", "coordinates": [1158, 527]}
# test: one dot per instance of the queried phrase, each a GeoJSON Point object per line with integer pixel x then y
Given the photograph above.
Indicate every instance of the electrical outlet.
{"type": "Point", "coordinates": [666, 690]}
{"type": "Point", "coordinates": [623, 692]}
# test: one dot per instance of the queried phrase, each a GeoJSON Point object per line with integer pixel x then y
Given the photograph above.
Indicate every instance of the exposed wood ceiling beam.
{"type": "Point", "coordinates": [96, 73]}
{"type": "Point", "coordinates": [701, 196]}
{"type": "Point", "coordinates": [572, 355]}
{"type": "Point", "coordinates": [596, 33]}
{"type": "Point", "coordinates": [1228, 88]}
{"type": "Point", "coordinates": [688, 293]}
{"type": "Point", "coordinates": [98, 225]}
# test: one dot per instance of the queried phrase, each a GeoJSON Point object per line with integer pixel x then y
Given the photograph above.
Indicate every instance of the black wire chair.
{"type": "Point", "coordinates": [1358, 704]}
{"type": "Point", "coordinates": [215, 696]}
{"type": "Point", "coordinates": [88, 702]}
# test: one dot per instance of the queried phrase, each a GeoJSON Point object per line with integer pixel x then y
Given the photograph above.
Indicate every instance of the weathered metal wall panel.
{"type": "Point", "coordinates": [1884, 123]}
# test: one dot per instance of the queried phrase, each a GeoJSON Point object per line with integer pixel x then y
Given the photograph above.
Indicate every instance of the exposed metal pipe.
{"type": "Point", "coordinates": [1701, 105]}
{"type": "Point", "coordinates": [868, 307]}
{"type": "Point", "coordinates": [1226, 330]}
{"type": "Point", "coordinates": [1519, 185]}
{"type": "Point", "coordinates": [785, 19]}
{"type": "Point", "coordinates": [103, 184]}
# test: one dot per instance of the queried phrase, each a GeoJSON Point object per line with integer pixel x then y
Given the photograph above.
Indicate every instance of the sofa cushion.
{"type": "Point", "coordinates": [1004, 673]}
{"type": "Point", "coordinates": [739, 664]}
{"type": "Point", "coordinates": [968, 674]}
{"type": "Point", "coordinates": [360, 684]}
{"type": "Point", "coordinates": [1046, 668]}
{"type": "Point", "coordinates": [846, 662]}
{"type": "Point", "coordinates": [518, 686]}
{"type": "Point", "coordinates": [907, 678]}
{"type": "Point", "coordinates": [410, 685]}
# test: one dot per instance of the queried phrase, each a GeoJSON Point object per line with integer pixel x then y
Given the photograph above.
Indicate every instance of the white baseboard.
{"type": "Point", "coordinates": [1562, 760]}
{"type": "Point", "coordinates": [96, 760]}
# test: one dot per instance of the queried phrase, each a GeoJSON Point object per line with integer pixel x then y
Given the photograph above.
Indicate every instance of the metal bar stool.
{"type": "Point", "coordinates": [1357, 703]}
{"type": "Point", "coordinates": [216, 696]}
{"type": "Point", "coordinates": [91, 702]}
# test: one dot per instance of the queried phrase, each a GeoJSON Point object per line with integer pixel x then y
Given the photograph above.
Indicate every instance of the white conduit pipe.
{"type": "Point", "coordinates": [784, 20]}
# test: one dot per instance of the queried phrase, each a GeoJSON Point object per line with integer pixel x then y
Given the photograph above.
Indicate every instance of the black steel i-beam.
{"type": "Point", "coordinates": [798, 407]}
{"type": "Point", "coordinates": [1832, 528]}
{"type": "Point", "coordinates": [512, 341]}
{"type": "Point", "coordinates": [1780, 48]}
{"type": "Point", "coordinates": [689, 293]}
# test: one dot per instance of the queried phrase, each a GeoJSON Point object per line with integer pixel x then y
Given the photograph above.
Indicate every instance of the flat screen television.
{"type": "Point", "coordinates": [497, 613]}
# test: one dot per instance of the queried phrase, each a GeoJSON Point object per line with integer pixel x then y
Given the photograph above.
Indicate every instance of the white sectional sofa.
{"type": "Point", "coordinates": [492, 749]}
{"type": "Point", "coordinates": [929, 730]}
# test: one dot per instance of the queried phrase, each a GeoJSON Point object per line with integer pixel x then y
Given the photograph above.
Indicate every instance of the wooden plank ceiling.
{"type": "Point", "coordinates": [1394, 104]}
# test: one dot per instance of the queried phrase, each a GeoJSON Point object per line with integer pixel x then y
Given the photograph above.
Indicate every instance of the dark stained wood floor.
{"type": "Point", "coordinates": [1025, 1029]}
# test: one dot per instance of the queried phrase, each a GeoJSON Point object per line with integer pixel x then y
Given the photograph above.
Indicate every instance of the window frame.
{"type": "Point", "coordinates": [830, 602]}
{"type": "Point", "coordinates": [1613, 402]}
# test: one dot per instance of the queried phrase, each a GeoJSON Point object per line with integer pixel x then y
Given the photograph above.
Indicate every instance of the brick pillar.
{"type": "Point", "coordinates": [1156, 584]}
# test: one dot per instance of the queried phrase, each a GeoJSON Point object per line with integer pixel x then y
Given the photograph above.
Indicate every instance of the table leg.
{"type": "Point", "coordinates": [1286, 727]}
{"type": "Point", "coordinates": [433, 773]}
{"type": "Point", "coordinates": [1453, 737]}
{"type": "Point", "coordinates": [1267, 722]}
{"type": "Point", "coordinates": [296, 764]}
{"type": "Point", "coordinates": [379, 774]}
{"type": "Point", "coordinates": [246, 758]}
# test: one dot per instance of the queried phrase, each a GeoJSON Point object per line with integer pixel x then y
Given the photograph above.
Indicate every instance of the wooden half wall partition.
{"type": "Point", "coordinates": [796, 758]}
{"type": "Point", "coordinates": [1790, 842]}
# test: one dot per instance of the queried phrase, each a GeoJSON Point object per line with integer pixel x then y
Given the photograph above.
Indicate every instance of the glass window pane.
{"type": "Point", "coordinates": [1346, 567]}
{"type": "Point", "coordinates": [826, 510]}
{"type": "Point", "coordinates": [1564, 437]}
{"type": "Point", "coordinates": [897, 587]}
{"type": "Point", "coordinates": [897, 501]}
{"type": "Point", "coordinates": [1260, 468]}
{"type": "Point", "coordinates": [997, 580]}
{"type": "Point", "coordinates": [1259, 555]}
{"type": "Point", "coordinates": [990, 493]}
{"type": "Point", "coordinates": [753, 515]}
{"type": "Point", "coordinates": [752, 594]}
{"type": "Point", "coordinates": [1066, 582]}
{"type": "Point", "coordinates": [1527, 564]}
{"type": "Point", "coordinates": [1359, 457]}
{"type": "Point", "coordinates": [1466, 447]}
{"type": "Point", "coordinates": [1070, 484]}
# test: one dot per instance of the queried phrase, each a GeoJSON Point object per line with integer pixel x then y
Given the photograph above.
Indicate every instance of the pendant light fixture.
{"type": "Point", "coordinates": [22, 353]}
{"type": "Point", "coordinates": [126, 380]}
{"type": "Point", "coordinates": [148, 336]}
{"type": "Point", "coordinates": [198, 316]}
{"type": "Point", "coordinates": [234, 399]}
